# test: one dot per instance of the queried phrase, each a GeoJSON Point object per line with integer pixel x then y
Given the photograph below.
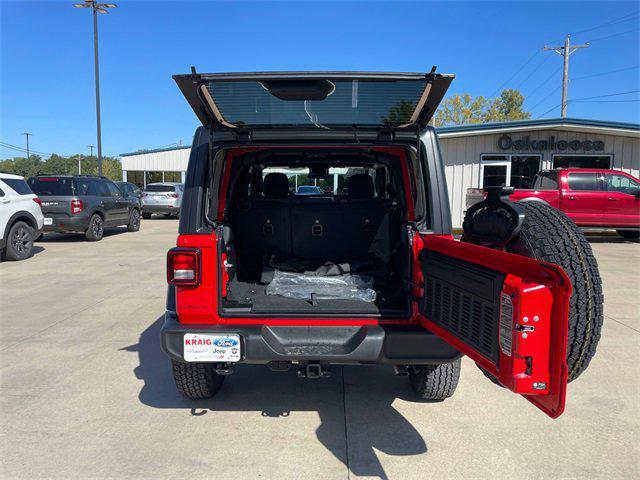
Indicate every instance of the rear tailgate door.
{"type": "Point", "coordinates": [55, 193]}
{"type": "Point", "coordinates": [314, 100]}
{"type": "Point", "coordinates": [506, 312]}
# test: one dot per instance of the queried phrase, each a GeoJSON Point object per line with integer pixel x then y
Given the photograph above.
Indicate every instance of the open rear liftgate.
{"type": "Point", "coordinates": [506, 312]}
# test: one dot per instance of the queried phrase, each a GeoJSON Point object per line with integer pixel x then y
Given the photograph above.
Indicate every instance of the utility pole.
{"type": "Point", "coordinates": [91, 147]}
{"type": "Point", "coordinates": [566, 50]}
{"type": "Point", "coordinates": [79, 158]}
{"type": "Point", "coordinates": [28, 135]}
{"type": "Point", "coordinates": [97, 8]}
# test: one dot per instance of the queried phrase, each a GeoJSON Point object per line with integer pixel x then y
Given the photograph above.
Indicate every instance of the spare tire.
{"type": "Point", "coordinates": [549, 235]}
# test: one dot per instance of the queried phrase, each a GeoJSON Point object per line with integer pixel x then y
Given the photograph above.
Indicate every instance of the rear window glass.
{"type": "Point", "coordinates": [18, 185]}
{"type": "Point", "coordinates": [583, 181]}
{"type": "Point", "coordinates": [546, 181]}
{"type": "Point", "coordinates": [159, 188]}
{"type": "Point", "coordinates": [54, 186]}
{"type": "Point", "coordinates": [386, 103]}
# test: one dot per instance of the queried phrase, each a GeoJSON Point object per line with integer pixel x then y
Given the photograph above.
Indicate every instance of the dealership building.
{"type": "Point", "coordinates": [508, 153]}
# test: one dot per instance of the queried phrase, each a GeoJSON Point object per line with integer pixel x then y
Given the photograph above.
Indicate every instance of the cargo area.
{"type": "Point", "coordinates": [338, 246]}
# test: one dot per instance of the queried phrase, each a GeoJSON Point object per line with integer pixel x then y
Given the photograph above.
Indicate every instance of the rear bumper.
{"type": "Point", "coordinates": [160, 209]}
{"type": "Point", "coordinates": [342, 345]}
{"type": "Point", "coordinates": [67, 224]}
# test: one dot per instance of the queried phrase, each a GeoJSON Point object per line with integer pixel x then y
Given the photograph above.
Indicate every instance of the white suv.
{"type": "Point", "coordinates": [21, 218]}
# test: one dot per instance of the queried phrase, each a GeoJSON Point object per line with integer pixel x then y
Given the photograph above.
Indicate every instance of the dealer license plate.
{"type": "Point", "coordinates": [48, 221]}
{"type": "Point", "coordinates": [199, 347]}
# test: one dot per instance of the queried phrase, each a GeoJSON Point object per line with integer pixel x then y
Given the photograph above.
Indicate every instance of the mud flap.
{"type": "Point", "coordinates": [506, 312]}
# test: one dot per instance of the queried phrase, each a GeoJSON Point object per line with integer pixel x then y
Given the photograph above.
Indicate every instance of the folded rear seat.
{"type": "Point", "coordinates": [359, 228]}
{"type": "Point", "coordinates": [262, 224]}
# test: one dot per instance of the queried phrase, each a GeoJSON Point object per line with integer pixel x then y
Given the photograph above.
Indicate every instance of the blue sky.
{"type": "Point", "coordinates": [46, 74]}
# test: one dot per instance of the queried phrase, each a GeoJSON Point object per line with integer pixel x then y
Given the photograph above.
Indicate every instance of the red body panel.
{"type": "Point", "coordinates": [552, 197]}
{"type": "Point", "coordinates": [535, 289]}
{"type": "Point", "coordinates": [600, 208]}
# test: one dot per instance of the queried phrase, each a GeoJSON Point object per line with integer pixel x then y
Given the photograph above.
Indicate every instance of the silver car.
{"type": "Point", "coordinates": [165, 198]}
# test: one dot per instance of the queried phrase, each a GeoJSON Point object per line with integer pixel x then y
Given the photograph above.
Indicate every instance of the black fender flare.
{"type": "Point", "coordinates": [20, 215]}
{"type": "Point", "coordinates": [535, 200]}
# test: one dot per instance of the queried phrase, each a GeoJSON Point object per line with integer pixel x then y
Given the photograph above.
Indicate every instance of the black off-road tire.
{"type": "Point", "coordinates": [630, 234]}
{"type": "Point", "coordinates": [95, 230]}
{"type": "Point", "coordinates": [19, 244]}
{"type": "Point", "coordinates": [134, 221]}
{"type": "Point", "coordinates": [196, 380]}
{"type": "Point", "coordinates": [435, 382]}
{"type": "Point", "coordinates": [146, 216]}
{"type": "Point", "coordinates": [549, 235]}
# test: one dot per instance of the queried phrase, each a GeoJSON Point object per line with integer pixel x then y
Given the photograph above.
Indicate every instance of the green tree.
{"type": "Point", "coordinates": [61, 165]}
{"type": "Point", "coordinates": [461, 110]}
{"type": "Point", "coordinates": [464, 109]}
{"type": "Point", "coordinates": [507, 107]}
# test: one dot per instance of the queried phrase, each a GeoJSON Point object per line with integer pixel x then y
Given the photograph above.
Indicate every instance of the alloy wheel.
{"type": "Point", "coordinates": [21, 240]}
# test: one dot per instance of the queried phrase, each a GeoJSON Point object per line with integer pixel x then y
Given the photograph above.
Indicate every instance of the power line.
{"type": "Point", "coordinates": [550, 110]}
{"type": "Point", "coordinates": [605, 73]}
{"type": "Point", "coordinates": [614, 35]}
{"type": "Point", "coordinates": [546, 97]}
{"type": "Point", "coordinates": [20, 149]}
{"type": "Point", "coordinates": [517, 72]}
{"type": "Point", "coordinates": [606, 101]}
{"type": "Point", "coordinates": [535, 70]}
{"type": "Point", "coordinates": [607, 95]}
{"type": "Point", "coordinates": [544, 82]}
{"type": "Point", "coordinates": [624, 18]}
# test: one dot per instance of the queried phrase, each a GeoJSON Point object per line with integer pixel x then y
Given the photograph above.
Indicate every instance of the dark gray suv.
{"type": "Point", "coordinates": [83, 203]}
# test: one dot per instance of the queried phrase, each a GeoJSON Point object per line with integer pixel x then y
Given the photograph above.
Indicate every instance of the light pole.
{"type": "Point", "coordinates": [28, 135]}
{"type": "Point", "coordinates": [96, 8]}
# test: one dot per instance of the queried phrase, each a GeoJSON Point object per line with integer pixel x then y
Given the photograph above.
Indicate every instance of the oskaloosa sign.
{"type": "Point", "coordinates": [505, 142]}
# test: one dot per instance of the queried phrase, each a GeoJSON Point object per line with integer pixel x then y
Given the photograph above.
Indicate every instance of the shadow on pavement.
{"type": "Point", "coordinates": [610, 239]}
{"type": "Point", "coordinates": [53, 237]}
{"type": "Point", "coordinates": [371, 424]}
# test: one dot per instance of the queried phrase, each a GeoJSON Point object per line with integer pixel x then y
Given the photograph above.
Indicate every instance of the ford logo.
{"type": "Point", "coordinates": [225, 342]}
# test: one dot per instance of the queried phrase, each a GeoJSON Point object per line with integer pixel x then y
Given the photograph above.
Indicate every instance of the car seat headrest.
{"type": "Point", "coordinates": [360, 185]}
{"type": "Point", "coordinates": [275, 185]}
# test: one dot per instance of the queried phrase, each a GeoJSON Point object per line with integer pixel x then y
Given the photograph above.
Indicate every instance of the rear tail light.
{"type": "Point", "coordinates": [174, 195]}
{"type": "Point", "coordinates": [183, 266]}
{"type": "Point", "coordinates": [38, 201]}
{"type": "Point", "coordinates": [76, 206]}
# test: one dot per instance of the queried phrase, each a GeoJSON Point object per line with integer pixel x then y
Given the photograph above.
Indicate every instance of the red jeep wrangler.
{"type": "Point", "coordinates": [364, 270]}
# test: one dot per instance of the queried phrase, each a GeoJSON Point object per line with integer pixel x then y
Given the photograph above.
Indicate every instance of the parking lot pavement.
{"type": "Point", "coordinates": [86, 392]}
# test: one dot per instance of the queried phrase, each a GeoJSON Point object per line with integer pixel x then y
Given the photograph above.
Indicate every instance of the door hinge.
{"type": "Point", "coordinates": [243, 136]}
{"type": "Point", "coordinates": [385, 136]}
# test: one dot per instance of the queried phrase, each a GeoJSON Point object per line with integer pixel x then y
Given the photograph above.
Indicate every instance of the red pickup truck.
{"type": "Point", "coordinates": [590, 197]}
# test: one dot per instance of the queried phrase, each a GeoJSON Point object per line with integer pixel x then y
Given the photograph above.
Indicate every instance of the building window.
{"type": "Point", "coordinates": [172, 177]}
{"type": "Point", "coordinates": [509, 170]}
{"type": "Point", "coordinates": [582, 161]}
{"type": "Point", "coordinates": [136, 177]}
